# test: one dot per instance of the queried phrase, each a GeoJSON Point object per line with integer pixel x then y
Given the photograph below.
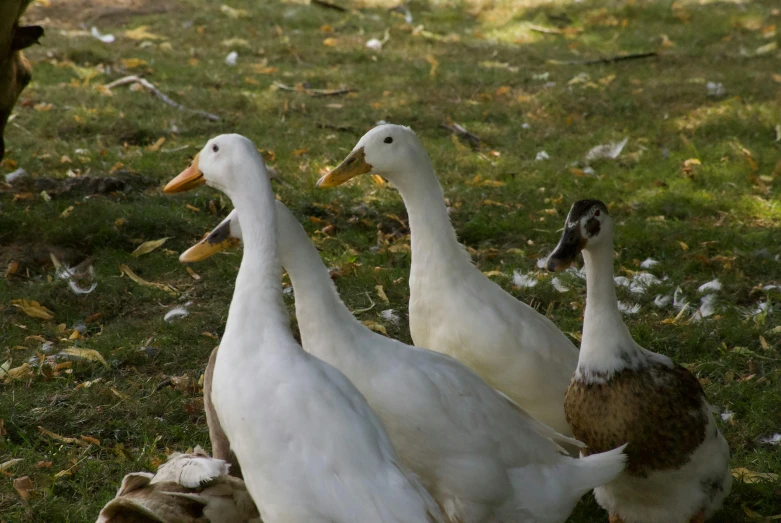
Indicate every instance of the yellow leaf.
{"type": "Point", "coordinates": [10, 463]}
{"type": "Point", "coordinates": [147, 247]}
{"type": "Point", "coordinates": [156, 146]}
{"type": "Point", "coordinates": [767, 48]}
{"type": "Point", "coordinates": [57, 437]}
{"type": "Point", "coordinates": [495, 273]}
{"type": "Point", "coordinates": [745, 475]}
{"type": "Point", "coordinates": [87, 354]}
{"type": "Point", "coordinates": [33, 309]}
{"type": "Point", "coordinates": [124, 269]}
{"type": "Point", "coordinates": [607, 80]}
{"type": "Point", "coordinates": [141, 33]}
{"type": "Point", "coordinates": [330, 42]}
{"type": "Point", "coordinates": [132, 63]}
{"type": "Point", "coordinates": [67, 212]}
{"type": "Point", "coordinates": [90, 439]}
{"type": "Point", "coordinates": [63, 473]}
{"type": "Point", "coordinates": [434, 65]}
{"type": "Point", "coordinates": [24, 486]}
{"type": "Point", "coordinates": [74, 335]}
{"type": "Point", "coordinates": [503, 90]}
{"type": "Point", "coordinates": [381, 293]}
{"type": "Point", "coordinates": [379, 180]}
{"type": "Point", "coordinates": [684, 247]}
{"type": "Point", "coordinates": [777, 78]}
{"type": "Point", "coordinates": [192, 273]}
{"type": "Point", "coordinates": [376, 327]}
{"type": "Point", "coordinates": [234, 13]}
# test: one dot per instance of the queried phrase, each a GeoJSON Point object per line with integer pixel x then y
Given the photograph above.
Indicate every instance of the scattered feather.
{"type": "Point", "coordinates": [105, 38]}
{"type": "Point", "coordinates": [662, 301]}
{"type": "Point", "coordinates": [542, 155]}
{"type": "Point", "coordinates": [775, 439]}
{"type": "Point", "coordinates": [641, 281]}
{"type": "Point", "coordinates": [231, 59]}
{"type": "Point", "coordinates": [727, 415]}
{"type": "Point", "coordinates": [391, 316]}
{"type": "Point", "coordinates": [679, 299]}
{"type": "Point", "coordinates": [648, 263]}
{"type": "Point", "coordinates": [609, 151]}
{"type": "Point", "coordinates": [374, 44]}
{"type": "Point", "coordinates": [622, 281]}
{"type": "Point", "coordinates": [524, 281]}
{"type": "Point", "coordinates": [707, 308]}
{"type": "Point", "coordinates": [177, 312]}
{"type": "Point", "coordinates": [542, 263]}
{"type": "Point", "coordinates": [713, 285]}
{"type": "Point", "coordinates": [559, 285]}
{"type": "Point", "coordinates": [628, 308]}
{"type": "Point", "coordinates": [579, 273]}
{"type": "Point", "coordinates": [714, 89]}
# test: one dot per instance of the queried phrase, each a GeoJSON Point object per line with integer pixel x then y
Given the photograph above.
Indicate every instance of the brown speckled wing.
{"type": "Point", "coordinates": [659, 411]}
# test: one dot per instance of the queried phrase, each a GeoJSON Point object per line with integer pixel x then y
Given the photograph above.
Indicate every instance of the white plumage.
{"type": "Point", "coordinates": [453, 307]}
{"type": "Point", "coordinates": [310, 448]}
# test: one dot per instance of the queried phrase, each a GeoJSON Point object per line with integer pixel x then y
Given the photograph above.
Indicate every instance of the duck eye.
{"type": "Point", "coordinates": [215, 148]}
{"type": "Point", "coordinates": [597, 213]}
{"type": "Point", "coordinates": [388, 140]}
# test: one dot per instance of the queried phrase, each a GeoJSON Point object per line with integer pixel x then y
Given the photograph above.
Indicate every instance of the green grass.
{"type": "Point", "coordinates": [488, 79]}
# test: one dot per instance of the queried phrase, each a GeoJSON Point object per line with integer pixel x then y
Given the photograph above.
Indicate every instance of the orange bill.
{"type": "Point", "coordinates": [218, 240]}
{"type": "Point", "coordinates": [188, 179]}
{"type": "Point", "coordinates": [355, 164]}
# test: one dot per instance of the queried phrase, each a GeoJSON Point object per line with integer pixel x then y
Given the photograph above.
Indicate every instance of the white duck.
{"type": "Point", "coordinates": [310, 448]}
{"type": "Point", "coordinates": [480, 456]}
{"type": "Point", "coordinates": [453, 307]}
{"type": "Point", "coordinates": [678, 468]}
{"type": "Point", "coordinates": [188, 488]}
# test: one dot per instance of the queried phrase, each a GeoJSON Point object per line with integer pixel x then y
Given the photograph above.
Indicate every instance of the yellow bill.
{"type": "Point", "coordinates": [218, 240]}
{"type": "Point", "coordinates": [187, 180]}
{"type": "Point", "coordinates": [352, 166]}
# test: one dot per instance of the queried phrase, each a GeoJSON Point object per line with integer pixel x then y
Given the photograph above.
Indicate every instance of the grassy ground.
{"type": "Point", "coordinates": [696, 188]}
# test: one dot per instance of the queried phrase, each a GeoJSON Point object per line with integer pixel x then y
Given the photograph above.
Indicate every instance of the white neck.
{"type": "Point", "coordinates": [319, 308]}
{"type": "Point", "coordinates": [607, 346]}
{"type": "Point", "coordinates": [434, 242]}
{"type": "Point", "coordinates": [257, 308]}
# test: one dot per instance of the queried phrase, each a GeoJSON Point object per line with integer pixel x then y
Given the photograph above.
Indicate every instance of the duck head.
{"type": "Point", "coordinates": [226, 235]}
{"type": "Point", "coordinates": [217, 165]}
{"type": "Point", "coordinates": [392, 151]}
{"type": "Point", "coordinates": [588, 226]}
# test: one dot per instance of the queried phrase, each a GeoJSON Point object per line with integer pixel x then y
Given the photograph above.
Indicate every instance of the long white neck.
{"type": "Point", "coordinates": [607, 345]}
{"type": "Point", "coordinates": [434, 242]}
{"type": "Point", "coordinates": [257, 308]}
{"type": "Point", "coordinates": [319, 308]}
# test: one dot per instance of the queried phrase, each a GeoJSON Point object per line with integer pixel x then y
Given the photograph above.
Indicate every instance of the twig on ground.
{"type": "Point", "coordinates": [607, 60]}
{"type": "Point", "coordinates": [340, 128]}
{"type": "Point", "coordinates": [132, 79]}
{"type": "Point", "coordinates": [313, 92]}
{"type": "Point", "coordinates": [329, 5]}
{"type": "Point", "coordinates": [463, 134]}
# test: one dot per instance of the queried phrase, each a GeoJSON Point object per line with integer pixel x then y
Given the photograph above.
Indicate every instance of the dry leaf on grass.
{"type": "Point", "coordinates": [141, 33]}
{"type": "Point", "coordinates": [124, 269]}
{"type": "Point", "coordinates": [147, 247]}
{"type": "Point", "coordinates": [10, 463]}
{"type": "Point", "coordinates": [33, 309]}
{"type": "Point", "coordinates": [58, 437]}
{"type": "Point", "coordinates": [376, 327]}
{"type": "Point", "coordinates": [745, 475]}
{"type": "Point", "coordinates": [87, 354]}
{"type": "Point", "coordinates": [381, 293]}
{"type": "Point", "coordinates": [19, 372]}
{"type": "Point", "coordinates": [24, 486]}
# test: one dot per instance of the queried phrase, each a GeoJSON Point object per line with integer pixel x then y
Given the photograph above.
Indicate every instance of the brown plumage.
{"type": "Point", "coordinates": [188, 488]}
{"type": "Point", "coordinates": [658, 410]}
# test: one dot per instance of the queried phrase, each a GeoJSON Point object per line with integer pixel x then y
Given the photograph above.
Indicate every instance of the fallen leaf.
{"type": "Point", "coordinates": [10, 463]}
{"type": "Point", "coordinates": [57, 437]}
{"type": "Point", "coordinates": [67, 211]}
{"type": "Point", "coordinates": [376, 327]}
{"type": "Point", "coordinates": [745, 475]}
{"type": "Point", "coordinates": [24, 486]}
{"type": "Point", "coordinates": [434, 65]}
{"type": "Point", "coordinates": [683, 245]}
{"type": "Point", "coordinates": [87, 354]}
{"type": "Point", "coordinates": [381, 293]}
{"type": "Point", "coordinates": [43, 465]}
{"type": "Point", "coordinates": [132, 63]}
{"type": "Point", "coordinates": [232, 12]}
{"type": "Point", "coordinates": [147, 247]}
{"type": "Point", "coordinates": [33, 309]}
{"type": "Point", "coordinates": [192, 273]}
{"type": "Point", "coordinates": [13, 266]}
{"type": "Point", "coordinates": [156, 146]}
{"type": "Point", "coordinates": [330, 42]}
{"type": "Point", "coordinates": [124, 269]}
{"type": "Point", "coordinates": [141, 33]}
{"type": "Point", "coordinates": [90, 439]}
